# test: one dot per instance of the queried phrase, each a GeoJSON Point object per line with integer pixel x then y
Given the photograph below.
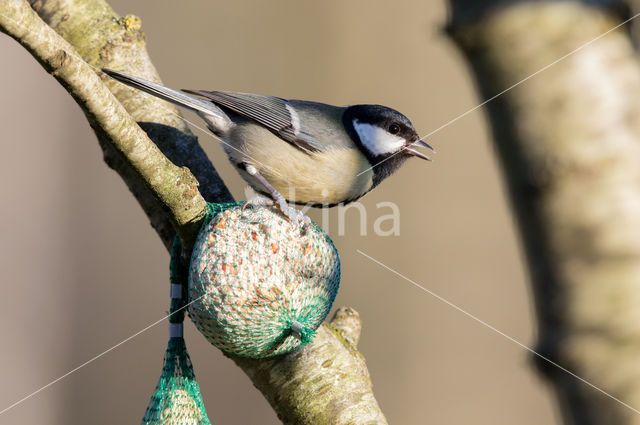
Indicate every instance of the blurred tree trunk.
{"type": "Point", "coordinates": [634, 7]}
{"type": "Point", "coordinates": [569, 143]}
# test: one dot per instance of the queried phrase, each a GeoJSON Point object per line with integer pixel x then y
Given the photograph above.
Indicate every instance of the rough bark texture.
{"type": "Point", "coordinates": [569, 142]}
{"type": "Point", "coordinates": [104, 39]}
{"type": "Point", "coordinates": [327, 381]}
{"type": "Point", "coordinates": [174, 188]}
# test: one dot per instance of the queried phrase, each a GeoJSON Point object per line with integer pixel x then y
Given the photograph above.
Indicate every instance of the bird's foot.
{"type": "Point", "coordinates": [294, 215]}
{"type": "Point", "coordinates": [297, 217]}
{"type": "Point", "coordinates": [258, 201]}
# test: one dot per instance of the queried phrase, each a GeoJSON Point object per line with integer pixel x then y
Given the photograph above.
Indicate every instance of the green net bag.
{"type": "Point", "coordinates": [176, 399]}
{"type": "Point", "coordinates": [258, 286]}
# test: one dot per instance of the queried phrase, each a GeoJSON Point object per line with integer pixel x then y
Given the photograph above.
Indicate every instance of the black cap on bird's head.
{"type": "Point", "coordinates": [385, 136]}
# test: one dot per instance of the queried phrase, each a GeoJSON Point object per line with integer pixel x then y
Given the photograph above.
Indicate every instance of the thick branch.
{"type": "Point", "coordinates": [174, 187]}
{"type": "Point", "coordinates": [327, 382]}
{"type": "Point", "coordinates": [119, 43]}
{"type": "Point", "coordinates": [568, 141]}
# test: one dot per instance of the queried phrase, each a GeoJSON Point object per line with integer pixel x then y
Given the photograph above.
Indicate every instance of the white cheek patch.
{"type": "Point", "coordinates": [377, 140]}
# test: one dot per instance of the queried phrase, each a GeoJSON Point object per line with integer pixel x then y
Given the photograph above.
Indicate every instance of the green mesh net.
{"type": "Point", "coordinates": [176, 399]}
{"type": "Point", "coordinates": [258, 286]}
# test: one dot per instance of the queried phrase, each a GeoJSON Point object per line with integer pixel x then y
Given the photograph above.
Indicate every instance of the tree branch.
{"type": "Point", "coordinates": [119, 43]}
{"type": "Point", "coordinates": [174, 188]}
{"type": "Point", "coordinates": [327, 381]}
{"type": "Point", "coordinates": [568, 142]}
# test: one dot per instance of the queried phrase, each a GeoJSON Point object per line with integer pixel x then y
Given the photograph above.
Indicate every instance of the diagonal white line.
{"type": "Point", "coordinates": [91, 360]}
{"type": "Point", "coordinates": [498, 331]}
{"type": "Point", "coordinates": [371, 258]}
{"type": "Point", "coordinates": [544, 68]}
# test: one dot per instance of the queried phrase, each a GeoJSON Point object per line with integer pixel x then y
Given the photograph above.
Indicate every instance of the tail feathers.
{"type": "Point", "coordinates": [208, 110]}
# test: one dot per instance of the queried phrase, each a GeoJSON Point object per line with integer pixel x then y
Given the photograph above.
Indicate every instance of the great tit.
{"type": "Point", "coordinates": [299, 151]}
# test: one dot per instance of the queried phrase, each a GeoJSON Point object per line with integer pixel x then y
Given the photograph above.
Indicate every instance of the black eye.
{"type": "Point", "coordinates": [394, 129]}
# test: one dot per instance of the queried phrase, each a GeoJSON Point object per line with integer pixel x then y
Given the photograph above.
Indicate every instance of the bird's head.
{"type": "Point", "coordinates": [385, 136]}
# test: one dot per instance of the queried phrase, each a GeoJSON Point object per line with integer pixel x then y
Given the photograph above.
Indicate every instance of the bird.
{"type": "Point", "coordinates": [297, 151]}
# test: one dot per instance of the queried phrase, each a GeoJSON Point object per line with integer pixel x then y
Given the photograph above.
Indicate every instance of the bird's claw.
{"type": "Point", "coordinates": [258, 201]}
{"type": "Point", "coordinates": [294, 215]}
{"type": "Point", "coordinates": [297, 217]}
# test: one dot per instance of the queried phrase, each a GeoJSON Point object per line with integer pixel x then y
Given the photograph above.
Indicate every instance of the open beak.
{"type": "Point", "coordinates": [414, 152]}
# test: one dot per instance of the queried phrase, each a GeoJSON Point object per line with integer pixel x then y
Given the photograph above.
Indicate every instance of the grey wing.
{"type": "Point", "coordinates": [270, 112]}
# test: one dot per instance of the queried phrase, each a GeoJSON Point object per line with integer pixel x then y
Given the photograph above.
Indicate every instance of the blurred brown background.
{"type": "Point", "coordinates": [82, 268]}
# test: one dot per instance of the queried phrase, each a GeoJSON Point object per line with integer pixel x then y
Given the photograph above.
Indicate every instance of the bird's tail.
{"type": "Point", "coordinates": [203, 107]}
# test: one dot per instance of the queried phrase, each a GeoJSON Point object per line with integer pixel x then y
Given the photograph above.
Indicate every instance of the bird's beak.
{"type": "Point", "coordinates": [424, 145]}
{"type": "Point", "coordinates": [414, 152]}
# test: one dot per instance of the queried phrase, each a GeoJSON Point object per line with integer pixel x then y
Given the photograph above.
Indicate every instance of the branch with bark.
{"type": "Point", "coordinates": [148, 144]}
{"type": "Point", "coordinates": [568, 141]}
